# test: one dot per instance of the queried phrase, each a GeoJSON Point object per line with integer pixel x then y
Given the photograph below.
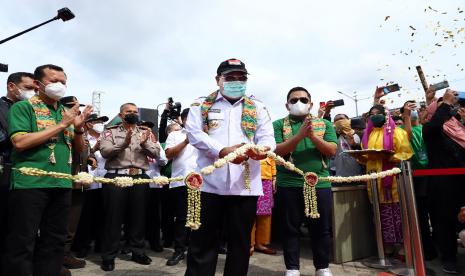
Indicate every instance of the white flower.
{"type": "Point", "coordinates": [161, 180]}
{"type": "Point", "coordinates": [84, 178]}
{"type": "Point", "coordinates": [289, 166]}
{"type": "Point", "coordinates": [230, 157]}
{"type": "Point", "coordinates": [220, 163]}
{"type": "Point", "coordinates": [123, 181]}
{"type": "Point", "coordinates": [207, 170]}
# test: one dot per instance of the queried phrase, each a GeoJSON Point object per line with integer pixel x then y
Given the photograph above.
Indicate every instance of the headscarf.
{"type": "Point", "coordinates": [455, 130]}
{"type": "Point", "coordinates": [343, 127]}
{"type": "Point", "coordinates": [388, 144]}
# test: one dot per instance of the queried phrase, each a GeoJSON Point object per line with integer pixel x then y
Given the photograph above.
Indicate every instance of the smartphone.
{"type": "Point", "coordinates": [439, 86]}
{"type": "Point", "coordinates": [338, 103]}
{"type": "Point", "coordinates": [322, 104]}
{"type": "Point", "coordinates": [391, 88]}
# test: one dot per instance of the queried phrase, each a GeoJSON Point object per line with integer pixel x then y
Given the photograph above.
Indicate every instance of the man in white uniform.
{"type": "Point", "coordinates": [184, 158]}
{"type": "Point", "coordinates": [216, 126]}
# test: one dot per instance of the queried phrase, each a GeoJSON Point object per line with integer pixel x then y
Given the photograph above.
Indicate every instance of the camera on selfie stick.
{"type": "Point", "coordinates": [64, 14]}
{"type": "Point", "coordinates": [174, 109]}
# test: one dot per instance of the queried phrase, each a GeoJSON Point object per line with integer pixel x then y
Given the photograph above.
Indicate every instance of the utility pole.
{"type": "Point", "coordinates": [355, 99]}
{"type": "Point", "coordinates": [97, 101]}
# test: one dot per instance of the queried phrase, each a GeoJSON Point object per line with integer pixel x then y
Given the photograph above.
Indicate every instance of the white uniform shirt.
{"type": "Point", "coordinates": [186, 161]}
{"type": "Point", "coordinates": [154, 166]}
{"type": "Point", "coordinates": [100, 170]}
{"type": "Point", "coordinates": [225, 119]}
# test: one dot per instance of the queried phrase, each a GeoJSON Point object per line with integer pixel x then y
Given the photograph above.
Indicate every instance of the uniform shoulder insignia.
{"type": "Point", "coordinates": [255, 99]}
{"type": "Point", "coordinates": [107, 133]}
{"type": "Point", "coordinates": [198, 101]}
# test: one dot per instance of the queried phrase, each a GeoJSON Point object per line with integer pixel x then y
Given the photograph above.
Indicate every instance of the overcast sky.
{"type": "Point", "coordinates": [146, 51]}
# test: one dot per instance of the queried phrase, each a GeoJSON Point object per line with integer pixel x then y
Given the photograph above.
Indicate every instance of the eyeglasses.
{"type": "Point", "coordinates": [235, 78]}
{"type": "Point", "coordinates": [303, 100]}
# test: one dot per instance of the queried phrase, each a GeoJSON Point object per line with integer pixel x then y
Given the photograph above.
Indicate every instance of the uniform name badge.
{"type": "Point", "coordinates": [214, 119]}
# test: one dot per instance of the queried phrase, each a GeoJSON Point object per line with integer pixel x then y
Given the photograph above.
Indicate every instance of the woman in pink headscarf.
{"type": "Point", "coordinates": [382, 134]}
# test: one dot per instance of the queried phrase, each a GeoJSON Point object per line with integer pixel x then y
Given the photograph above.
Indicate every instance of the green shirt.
{"type": "Point", "coordinates": [420, 157]}
{"type": "Point", "coordinates": [166, 170]}
{"type": "Point", "coordinates": [22, 119]}
{"type": "Point", "coordinates": [305, 156]}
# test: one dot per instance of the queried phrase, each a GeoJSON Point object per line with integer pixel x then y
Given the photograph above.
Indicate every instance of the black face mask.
{"type": "Point", "coordinates": [131, 118]}
{"type": "Point", "coordinates": [378, 120]}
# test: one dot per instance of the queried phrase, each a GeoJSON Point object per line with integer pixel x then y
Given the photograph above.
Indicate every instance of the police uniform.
{"type": "Point", "coordinates": [223, 192]}
{"type": "Point", "coordinates": [125, 160]}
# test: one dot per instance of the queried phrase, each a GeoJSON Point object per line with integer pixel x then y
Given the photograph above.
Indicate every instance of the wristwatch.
{"type": "Point", "coordinates": [80, 131]}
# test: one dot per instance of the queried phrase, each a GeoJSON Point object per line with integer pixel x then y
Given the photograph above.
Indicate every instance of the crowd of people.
{"type": "Point", "coordinates": [51, 225]}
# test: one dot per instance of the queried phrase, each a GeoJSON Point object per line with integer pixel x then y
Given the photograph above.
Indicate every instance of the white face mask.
{"type": "Point", "coordinates": [55, 90]}
{"type": "Point", "coordinates": [299, 109]}
{"type": "Point", "coordinates": [98, 128]}
{"type": "Point", "coordinates": [25, 94]}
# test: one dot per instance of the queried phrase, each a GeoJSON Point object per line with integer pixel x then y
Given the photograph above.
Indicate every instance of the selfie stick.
{"type": "Point", "coordinates": [64, 14]}
{"type": "Point", "coordinates": [422, 78]}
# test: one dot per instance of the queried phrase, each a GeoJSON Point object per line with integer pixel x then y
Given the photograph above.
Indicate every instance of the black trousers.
{"type": "Point", "coordinates": [167, 215]}
{"type": "Point", "coordinates": [91, 222]}
{"type": "Point", "coordinates": [28, 253]}
{"type": "Point", "coordinates": [292, 205]}
{"type": "Point", "coordinates": [77, 200]}
{"type": "Point", "coordinates": [4, 191]}
{"type": "Point", "coordinates": [202, 255]}
{"type": "Point", "coordinates": [447, 196]}
{"type": "Point", "coordinates": [423, 210]}
{"type": "Point", "coordinates": [116, 202]}
{"type": "Point", "coordinates": [178, 197]}
{"type": "Point", "coordinates": [153, 221]}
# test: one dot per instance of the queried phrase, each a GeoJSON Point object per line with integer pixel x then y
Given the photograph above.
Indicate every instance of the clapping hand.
{"type": "Point", "coordinates": [80, 119]}
{"type": "Point", "coordinates": [69, 116]}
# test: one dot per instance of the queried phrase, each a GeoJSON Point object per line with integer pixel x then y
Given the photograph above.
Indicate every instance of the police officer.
{"type": "Point", "coordinates": [126, 148]}
{"type": "Point", "coordinates": [20, 86]}
{"type": "Point", "coordinates": [216, 126]}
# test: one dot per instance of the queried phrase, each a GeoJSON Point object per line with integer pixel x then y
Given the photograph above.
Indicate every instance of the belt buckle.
{"type": "Point", "coordinates": [133, 171]}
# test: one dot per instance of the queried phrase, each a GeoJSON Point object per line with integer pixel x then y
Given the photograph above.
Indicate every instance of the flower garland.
{"type": "Point", "coordinates": [194, 181]}
{"type": "Point", "coordinates": [88, 179]}
{"type": "Point", "coordinates": [311, 210]}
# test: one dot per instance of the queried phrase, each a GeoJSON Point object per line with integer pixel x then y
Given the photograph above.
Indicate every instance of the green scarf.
{"type": "Point", "coordinates": [319, 128]}
{"type": "Point", "coordinates": [44, 120]}
{"type": "Point", "coordinates": [249, 114]}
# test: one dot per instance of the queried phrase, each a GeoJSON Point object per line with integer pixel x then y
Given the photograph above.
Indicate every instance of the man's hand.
{"type": "Point", "coordinates": [321, 112]}
{"type": "Point", "coordinates": [310, 132]}
{"type": "Point", "coordinates": [144, 136]}
{"type": "Point", "coordinates": [408, 107]}
{"type": "Point", "coordinates": [69, 116]}
{"type": "Point", "coordinates": [93, 163]}
{"type": "Point", "coordinates": [305, 128]}
{"type": "Point", "coordinates": [379, 93]}
{"type": "Point", "coordinates": [430, 93]}
{"type": "Point", "coordinates": [329, 105]}
{"type": "Point", "coordinates": [128, 138]}
{"type": "Point", "coordinates": [461, 216]}
{"type": "Point", "coordinates": [258, 155]}
{"type": "Point", "coordinates": [227, 150]}
{"type": "Point", "coordinates": [80, 119]}
{"type": "Point", "coordinates": [449, 97]}
{"type": "Point", "coordinates": [350, 139]}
